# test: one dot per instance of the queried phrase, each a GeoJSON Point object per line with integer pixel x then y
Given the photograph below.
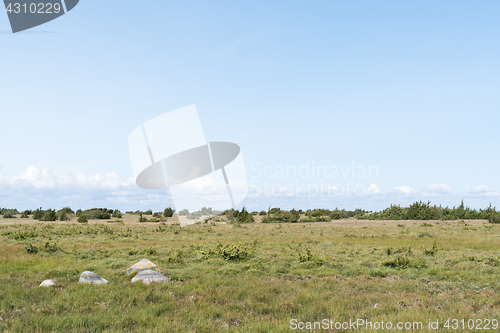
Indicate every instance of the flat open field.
{"type": "Point", "coordinates": [344, 270]}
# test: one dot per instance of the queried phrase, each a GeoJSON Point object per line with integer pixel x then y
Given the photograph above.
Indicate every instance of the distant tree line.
{"type": "Point", "coordinates": [425, 211]}
{"type": "Point", "coordinates": [235, 216]}
{"type": "Point", "coordinates": [416, 211]}
{"type": "Point", "coordinates": [96, 213]}
{"type": "Point", "coordinates": [8, 213]}
{"type": "Point", "coordinates": [276, 215]}
{"type": "Point", "coordinates": [205, 211]}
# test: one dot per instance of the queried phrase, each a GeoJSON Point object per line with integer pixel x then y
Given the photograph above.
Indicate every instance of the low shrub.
{"type": "Point", "coordinates": [49, 215]}
{"type": "Point", "coordinates": [316, 219]}
{"type": "Point", "coordinates": [168, 212]}
{"type": "Point", "coordinates": [26, 233]}
{"type": "Point", "coordinates": [98, 213]}
{"type": "Point", "coordinates": [38, 214]}
{"type": "Point", "coordinates": [232, 251]}
{"type": "Point", "coordinates": [51, 248]}
{"type": "Point", "coordinates": [206, 211]}
{"type": "Point", "coordinates": [150, 251]}
{"type": "Point", "coordinates": [117, 214]}
{"type": "Point", "coordinates": [391, 251]}
{"type": "Point", "coordinates": [336, 215]}
{"type": "Point", "coordinates": [291, 216]}
{"type": "Point", "coordinates": [45, 215]}
{"type": "Point", "coordinates": [308, 256]}
{"type": "Point", "coordinates": [161, 228]}
{"type": "Point", "coordinates": [403, 262]}
{"type": "Point", "coordinates": [142, 218]}
{"type": "Point", "coordinates": [9, 214]}
{"type": "Point", "coordinates": [82, 219]}
{"type": "Point", "coordinates": [433, 250]}
{"type": "Point", "coordinates": [493, 217]}
{"type": "Point", "coordinates": [176, 258]}
{"type": "Point", "coordinates": [31, 249]}
{"type": "Point", "coordinates": [62, 216]}
{"type": "Point", "coordinates": [66, 210]}
{"type": "Point", "coordinates": [194, 215]}
{"type": "Point", "coordinates": [244, 216]}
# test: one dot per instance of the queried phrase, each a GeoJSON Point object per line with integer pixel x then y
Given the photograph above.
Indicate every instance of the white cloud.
{"type": "Point", "coordinates": [479, 189]}
{"type": "Point", "coordinates": [373, 189]}
{"type": "Point", "coordinates": [35, 187]}
{"type": "Point", "coordinates": [440, 188]}
{"type": "Point", "coordinates": [405, 189]}
{"type": "Point", "coordinates": [332, 189]}
{"type": "Point", "coordinates": [152, 199]}
{"type": "Point", "coordinates": [33, 178]}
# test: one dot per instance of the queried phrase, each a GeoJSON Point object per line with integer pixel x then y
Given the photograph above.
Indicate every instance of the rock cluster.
{"type": "Point", "coordinates": [143, 267]}
{"type": "Point", "coordinates": [147, 276]}
{"type": "Point", "coordinates": [47, 283]}
{"type": "Point", "coordinates": [91, 277]}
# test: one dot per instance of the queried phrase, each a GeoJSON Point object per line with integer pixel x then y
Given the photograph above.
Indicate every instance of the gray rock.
{"type": "Point", "coordinates": [47, 283]}
{"type": "Point", "coordinates": [90, 277]}
{"type": "Point", "coordinates": [141, 265]}
{"type": "Point", "coordinates": [147, 276]}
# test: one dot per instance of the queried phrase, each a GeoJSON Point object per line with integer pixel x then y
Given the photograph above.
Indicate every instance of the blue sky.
{"type": "Point", "coordinates": [408, 88]}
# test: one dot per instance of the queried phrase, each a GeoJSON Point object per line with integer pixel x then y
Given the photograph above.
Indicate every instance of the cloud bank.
{"type": "Point", "coordinates": [35, 187]}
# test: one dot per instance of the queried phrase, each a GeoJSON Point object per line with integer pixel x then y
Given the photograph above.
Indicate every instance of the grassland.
{"type": "Point", "coordinates": [341, 270]}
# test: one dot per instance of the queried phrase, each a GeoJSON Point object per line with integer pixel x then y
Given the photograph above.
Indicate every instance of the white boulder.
{"type": "Point", "coordinates": [90, 277]}
{"type": "Point", "coordinates": [147, 276]}
{"type": "Point", "coordinates": [141, 265]}
{"type": "Point", "coordinates": [47, 283]}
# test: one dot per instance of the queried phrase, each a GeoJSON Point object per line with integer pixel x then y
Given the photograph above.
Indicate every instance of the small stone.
{"type": "Point", "coordinates": [90, 277]}
{"type": "Point", "coordinates": [141, 265]}
{"type": "Point", "coordinates": [147, 276]}
{"type": "Point", "coordinates": [47, 283]}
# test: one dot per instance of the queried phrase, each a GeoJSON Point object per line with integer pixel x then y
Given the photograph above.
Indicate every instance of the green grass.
{"type": "Point", "coordinates": [246, 278]}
